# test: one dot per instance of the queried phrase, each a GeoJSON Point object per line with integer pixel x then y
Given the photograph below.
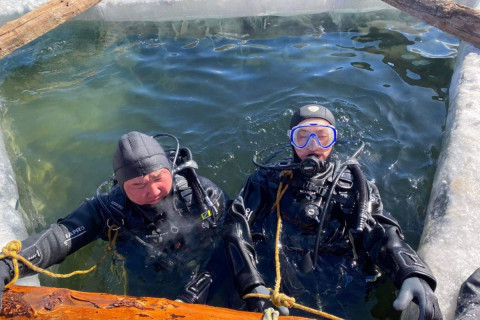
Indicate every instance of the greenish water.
{"type": "Point", "coordinates": [225, 88]}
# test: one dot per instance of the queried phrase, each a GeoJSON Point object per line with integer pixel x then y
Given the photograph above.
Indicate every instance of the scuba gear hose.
{"type": "Point", "coordinates": [353, 165]}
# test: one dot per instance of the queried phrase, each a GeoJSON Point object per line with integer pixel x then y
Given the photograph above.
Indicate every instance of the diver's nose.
{"type": "Point", "coordinates": [152, 190]}
{"type": "Point", "coordinates": [312, 145]}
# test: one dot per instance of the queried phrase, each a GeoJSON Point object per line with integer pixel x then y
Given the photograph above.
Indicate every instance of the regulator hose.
{"type": "Point", "coordinates": [354, 166]}
{"type": "Point", "coordinates": [362, 194]}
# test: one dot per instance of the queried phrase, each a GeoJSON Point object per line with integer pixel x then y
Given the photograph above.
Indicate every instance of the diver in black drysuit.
{"type": "Point", "coordinates": [169, 246]}
{"type": "Point", "coordinates": [356, 240]}
{"type": "Point", "coordinates": [468, 301]}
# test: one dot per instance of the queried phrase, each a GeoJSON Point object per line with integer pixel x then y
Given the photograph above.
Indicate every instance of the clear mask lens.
{"type": "Point", "coordinates": [323, 136]}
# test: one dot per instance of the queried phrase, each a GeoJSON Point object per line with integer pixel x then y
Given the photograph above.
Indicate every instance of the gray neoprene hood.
{"type": "Point", "coordinates": [137, 155]}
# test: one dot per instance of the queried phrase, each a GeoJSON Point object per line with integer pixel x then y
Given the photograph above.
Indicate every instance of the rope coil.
{"type": "Point", "coordinates": [277, 298]}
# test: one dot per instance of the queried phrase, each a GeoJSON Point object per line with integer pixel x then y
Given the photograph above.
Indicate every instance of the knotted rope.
{"type": "Point", "coordinates": [12, 249]}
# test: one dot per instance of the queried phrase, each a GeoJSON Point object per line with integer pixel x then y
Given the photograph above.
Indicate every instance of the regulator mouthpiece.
{"type": "Point", "coordinates": [311, 166]}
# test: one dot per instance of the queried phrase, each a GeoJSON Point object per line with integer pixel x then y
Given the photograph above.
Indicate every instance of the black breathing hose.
{"type": "Point", "coordinates": [323, 215]}
{"type": "Point", "coordinates": [362, 194]}
{"type": "Point", "coordinates": [352, 164]}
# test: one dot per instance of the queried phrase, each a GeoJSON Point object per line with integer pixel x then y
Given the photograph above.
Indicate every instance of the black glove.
{"type": "Point", "coordinates": [5, 278]}
{"type": "Point", "coordinates": [417, 290]}
{"type": "Point", "coordinates": [260, 305]}
{"type": "Point", "coordinates": [196, 291]}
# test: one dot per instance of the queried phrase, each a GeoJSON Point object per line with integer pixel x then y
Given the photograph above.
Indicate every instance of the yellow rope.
{"type": "Point", "coordinates": [278, 298]}
{"type": "Point", "coordinates": [122, 274]}
{"type": "Point", "coordinates": [12, 249]}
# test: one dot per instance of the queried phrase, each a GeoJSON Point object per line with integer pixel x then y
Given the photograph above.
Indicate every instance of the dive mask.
{"type": "Point", "coordinates": [321, 134]}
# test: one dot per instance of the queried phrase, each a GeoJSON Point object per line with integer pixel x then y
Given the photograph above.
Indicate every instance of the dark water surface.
{"type": "Point", "coordinates": [225, 88]}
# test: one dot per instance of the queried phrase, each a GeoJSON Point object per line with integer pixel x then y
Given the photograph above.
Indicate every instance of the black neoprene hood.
{"type": "Point", "coordinates": [137, 155]}
{"type": "Point", "coordinates": [312, 111]}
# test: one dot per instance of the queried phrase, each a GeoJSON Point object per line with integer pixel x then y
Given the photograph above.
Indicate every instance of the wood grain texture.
{"type": "Point", "coordinates": [19, 32]}
{"type": "Point", "coordinates": [23, 302]}
{"type": "Point", "coordinates": [458, 20]}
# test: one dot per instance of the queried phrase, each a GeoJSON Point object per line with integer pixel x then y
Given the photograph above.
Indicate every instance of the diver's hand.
{"type": "Point", "coordinates": [417, 290]}
{"type": "Point", "coordinates": [270, 314]}
{"type": "Point", "coordinates": [261, 305]}
{"type": "Point", "coordinates": [197, 289]}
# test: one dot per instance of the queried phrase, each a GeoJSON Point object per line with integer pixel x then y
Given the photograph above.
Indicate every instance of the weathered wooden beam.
{"type": "Point", "coordinates": [19, 32]}
{"type": "Point", "coordinates": [458, 20]}
{"type": "Point", "coordinates": [20, 302]}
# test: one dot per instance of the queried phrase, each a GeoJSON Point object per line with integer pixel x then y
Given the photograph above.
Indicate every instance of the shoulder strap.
{"type": "Point", "coordinates": [183, 188]}
{"type": "Point", "coordinates": [187, 166]}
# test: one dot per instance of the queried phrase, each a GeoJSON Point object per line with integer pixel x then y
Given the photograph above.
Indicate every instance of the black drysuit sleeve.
{"type": "Point", "coordinates": [384, 242]}
{"type": "Point", "coordinates": [55, 243]}
{"type": "Point", "coordinates": [252, 204]}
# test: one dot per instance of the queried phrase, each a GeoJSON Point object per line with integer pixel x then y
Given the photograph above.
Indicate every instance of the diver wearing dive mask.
{"type": "Point", "coordinates": [308, 136]}
{"type": "Point", "coordinates": [334, 225]}
{"type": "Point", "coordinates": [313, 139]}
{"type": "Point", "coordinates": [312, 133]}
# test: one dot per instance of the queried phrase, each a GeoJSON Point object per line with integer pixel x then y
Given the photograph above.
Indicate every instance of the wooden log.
{"type": "Point", "coordinates": [458, 20]}
{"type": "Point", "coordinates": [19, 32]}
{"type": "Point", "coordinates": [21, 302]}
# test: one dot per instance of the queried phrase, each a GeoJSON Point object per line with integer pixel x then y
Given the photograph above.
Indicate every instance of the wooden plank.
{"type": "Point", "coordinates": [19, 32]}
{"type": "Point", "coordinates": [22, 302]}
{"type": "Point", "coordinates": [458, 20]}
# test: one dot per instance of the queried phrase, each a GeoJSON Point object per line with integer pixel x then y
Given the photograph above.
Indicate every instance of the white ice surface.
{"type": "Point", "coordinates": [451, 238]}
{"type": "Point", "coordinates": [12, 226]}
{"type": "Point", "coordinates": [172, 10]}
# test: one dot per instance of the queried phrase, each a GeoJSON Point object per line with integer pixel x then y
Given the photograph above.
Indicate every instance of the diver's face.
{"type": "Point", "coordinates": [150, 189]}
{"type": "Point", "coordinates": [313, 149]}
